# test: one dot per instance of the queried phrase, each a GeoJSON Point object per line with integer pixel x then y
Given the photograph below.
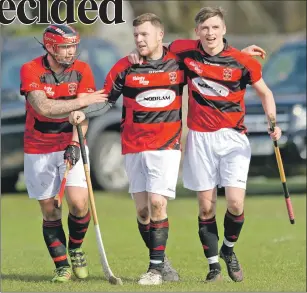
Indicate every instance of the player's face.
{"type": "Point", "coordinates": [211, 32]}
{"type": "Point", "coordinates": [147, 38]}
{"type": "Point", "coordinates": [66, 53]}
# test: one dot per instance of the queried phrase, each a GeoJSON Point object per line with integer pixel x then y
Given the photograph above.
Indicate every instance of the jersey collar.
{"type": "Point", "coordinates": [200, 47]}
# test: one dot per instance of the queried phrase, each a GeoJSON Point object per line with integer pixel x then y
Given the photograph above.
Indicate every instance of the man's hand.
{"type": "Point", "coordinates": [76, 117]}
{"type": "Point", "coordinates": [135, 58]}
{"type": "Point", "coordinates": [254, 50]}
{"type": "Point", "coordinates": [276, 134]}
{"type": "Point", "coordinates": [92, 98]}
{"type": "Point", "coordinates": [72, 153]}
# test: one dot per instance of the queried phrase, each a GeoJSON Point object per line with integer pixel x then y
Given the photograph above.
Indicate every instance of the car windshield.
{"type": "Point", "coordinates": [101, 59]}
{"type": "Point", "coordinates": [285, 72]}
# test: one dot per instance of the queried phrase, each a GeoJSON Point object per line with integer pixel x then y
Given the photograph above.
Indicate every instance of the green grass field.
{"type": "Point", "coordinates": [271, 251]}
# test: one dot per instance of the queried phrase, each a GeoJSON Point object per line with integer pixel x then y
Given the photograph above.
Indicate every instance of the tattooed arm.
{"type": "Point", "coordinates": [59, 108]}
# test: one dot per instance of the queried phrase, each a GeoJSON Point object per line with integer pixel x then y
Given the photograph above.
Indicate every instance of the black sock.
{"type": "Point", "coordinates": [158, 234]}
{"type": "Point", "coordinates": [232, 228]}
{"type": "Point", "coordinates": [55, 240]}
{"type": "Point", "coordinates": [208, 235]}
{"type": "Point", "coordinates": [144, 231]}
{"type": "Point", "coordinates": [77, 227]}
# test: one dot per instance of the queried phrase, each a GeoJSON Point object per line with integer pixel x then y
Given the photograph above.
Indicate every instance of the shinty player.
{"type": "Point", "coordinates": [151, 133]}
{"type": "Point", "coordinates": [54, 85]}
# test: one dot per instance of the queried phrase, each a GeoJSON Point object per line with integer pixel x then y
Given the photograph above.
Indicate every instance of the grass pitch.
{"type": "Point", "coordinates": [271, 251]}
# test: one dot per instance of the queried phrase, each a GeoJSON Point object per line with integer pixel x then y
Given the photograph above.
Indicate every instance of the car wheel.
{"type": "Point", "coordinates": [8, 184]}
{"type": "Point", "coordinates": [107, 163]}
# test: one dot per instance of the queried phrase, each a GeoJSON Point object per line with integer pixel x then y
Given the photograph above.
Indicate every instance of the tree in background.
{"type": "Point", "coordinates": [243, 17]}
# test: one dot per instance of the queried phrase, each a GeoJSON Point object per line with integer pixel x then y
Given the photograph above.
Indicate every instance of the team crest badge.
{"type": "Point", "coordinates": [72, 88]}
{"type": "Point", "coordinates": [227, 73]}
{"type": "Point", "coordinates": [172, 77]}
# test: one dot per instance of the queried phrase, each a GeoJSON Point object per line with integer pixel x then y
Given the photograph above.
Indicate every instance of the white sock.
{"type": "Point", "coordinates": [155, 261]}
{"type": "Point", "coordinates": [213, 259]}
{"type": "Point", "coordinates": [228, 243]}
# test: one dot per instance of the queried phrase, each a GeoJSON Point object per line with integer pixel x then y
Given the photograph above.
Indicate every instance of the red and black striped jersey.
{"type": "Point", "coordinates": [43, 134]}
{"type": "Point", "coordinates": [152, 101]}
{"type": "Point", "coordinates": [217, 85]}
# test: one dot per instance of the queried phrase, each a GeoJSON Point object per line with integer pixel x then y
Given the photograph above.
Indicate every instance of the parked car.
{"type": "Point", "coordinates": [285, 74]}
{"type": "Point", "coordinates": [103, 134]}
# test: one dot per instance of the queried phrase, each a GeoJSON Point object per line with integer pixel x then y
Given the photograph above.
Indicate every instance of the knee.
{"type": "Point", "coordinates": [157, 207]}
{"type": "Point", "coordinates": [50, 213]}
{"type": "Point", "coordinates": [143, 214]}
{"type": "Point", "coordinates": [235, 207]}
{"type": "Point", "coordinates": [206, 204]}
{"type": "Point", "coordinates": [206, 209]}
{"type": "Point", "coordinates": [206, 212]}
{"type": "Point", "coordinates": [79, 208]}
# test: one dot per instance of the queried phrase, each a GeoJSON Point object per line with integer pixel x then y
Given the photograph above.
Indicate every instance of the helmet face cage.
{"type": "Point", "coordinates": [62, 37]}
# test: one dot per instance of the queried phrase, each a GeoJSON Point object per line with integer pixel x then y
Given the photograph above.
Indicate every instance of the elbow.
{"type": "Point", "coordinates": [44, 112]}
{"type": "Point", "coordinates": [267, 95]}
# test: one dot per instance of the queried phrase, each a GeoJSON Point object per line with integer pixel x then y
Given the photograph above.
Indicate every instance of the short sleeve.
{"type": "Point", "coordinates": [29, 79]}
{"type": "Point", "coordinates": [87, 83]}
{"type": "Point", "coordinates": [253, 71]}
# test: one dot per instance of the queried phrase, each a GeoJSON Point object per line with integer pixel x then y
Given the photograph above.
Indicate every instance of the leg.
{"type": "Point", "coordinates": [79, 215]}
{"type": "Point", "coordinates": [42, 181]}
{"type": "Point", "coordinates": [208, 232]}
{"type": "Point", "coordinates": [78, 219]}
{"type": "Point", "coordinates": [200, 173]}
{"type": "Point", "coordinates": [143, 218]}
{"type": "Point", "coordinates": [158, 234]}
{"type": "Point", "coordinates": [158, 231]}
{"type": "Point", "coordinates": [53, 232]}
{"type": "Point", "coordinates": [233, 222]}
{"type": "Point", "coordinates": [234, 173]}
{"type": "Point", "coordinates": [234, 217]}
{"type": "Point", "coordinates": [137, 187]}
{"type": "Point", "coordinates": [162, 169]}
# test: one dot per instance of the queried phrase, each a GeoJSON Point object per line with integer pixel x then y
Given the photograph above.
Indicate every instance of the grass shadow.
{"type": "Point", "coordinates": [47, 278]}
{"type": "Point", "coordinates": [26, 278]}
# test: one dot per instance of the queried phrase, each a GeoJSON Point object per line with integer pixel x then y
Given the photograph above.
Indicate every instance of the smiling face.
{"type": "Point", "coordinates": [211, 33]}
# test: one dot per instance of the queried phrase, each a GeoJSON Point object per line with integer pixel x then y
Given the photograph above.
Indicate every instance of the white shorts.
{"type": "Point", "coordinates": [44, 172]}
{"type": "Point", "coordinates": [153, 171]}
{"type": "Point", "coordinates": [216, 158]}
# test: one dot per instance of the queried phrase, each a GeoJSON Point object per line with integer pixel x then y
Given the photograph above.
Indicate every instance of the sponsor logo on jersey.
{"type": "Point", "coordinates": [156, 98]}
{"type": "Point", "coordinates": [209, 87]}
{"type": "Point", "coordinates": [196, 67]}
{"type": "Point", "coordinates": [141, 79]}
{"type": "Point", "coordinates": [49, 91]}
{"type": "Point", "coordinates": [155, 71]}
{"type": "Point", "coordinates": [34, 85]}
{"type": "Point", "coordinates": [210, 63]}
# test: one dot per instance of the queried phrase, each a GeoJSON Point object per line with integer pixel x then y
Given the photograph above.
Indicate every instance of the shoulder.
{"type": "Point", "coordinates": [243, 58]}
{"type": "Point", "coordinates": [122, 64]}
{"type": "Point", "coordinates": [81, 65]}
{"type": "Point", "coordinates": [170, 55]}
{"type": "Point", "coordinates": [35, 64]}
{"type": "Point", "coordinates": [181, 45]}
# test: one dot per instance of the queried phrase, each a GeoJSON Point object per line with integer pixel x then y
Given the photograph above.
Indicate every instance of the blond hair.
{"type": "Point", "coordinates": [151, 17]}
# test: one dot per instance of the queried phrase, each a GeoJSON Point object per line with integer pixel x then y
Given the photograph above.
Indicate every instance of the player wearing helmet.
{"type": "Point", "coordinates": [61, 42]}
{"type": "Point", "coordinates": [54, 85]}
